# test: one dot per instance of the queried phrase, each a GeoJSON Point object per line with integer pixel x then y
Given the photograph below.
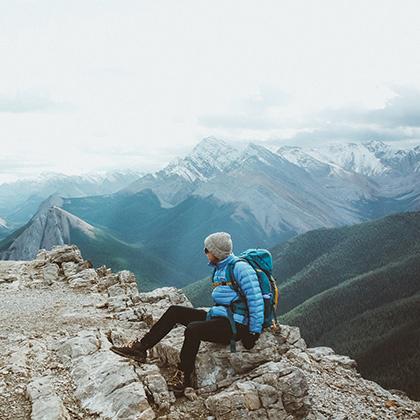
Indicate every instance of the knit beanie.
{"type": "Point", "coordinates": [219, 244]}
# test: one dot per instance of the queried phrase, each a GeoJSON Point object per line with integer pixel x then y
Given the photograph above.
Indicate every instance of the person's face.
{"type": "Point", "coordinates": [210, 256]}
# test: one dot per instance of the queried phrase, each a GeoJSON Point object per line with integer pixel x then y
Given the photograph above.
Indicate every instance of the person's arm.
{"type": "Point", "coordinates": [247, 280]}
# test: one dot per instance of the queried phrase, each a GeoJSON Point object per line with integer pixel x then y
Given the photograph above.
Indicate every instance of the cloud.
{"type": "Point", "coordinates": [19, 165]}
{"type": "Point", "coordinates": [30, 101]}
{"type": "Point", "coordinates": [401, 110]}
{"type": "Point", "coordinates": [398, 119]}
{"type": "Point", "coordinates": [351, 133]}
{"type": "Point", "coordinates": [240, 121]}
{"type": "Point", "coordinates": [259, 111]}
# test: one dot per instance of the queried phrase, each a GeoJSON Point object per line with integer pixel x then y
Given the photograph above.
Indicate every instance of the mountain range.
{"type": "Point", "coordinates": [295, 188]}
{"type": "Point", "coordinates": [263, 197]}
{"type": "Point", "coordinates": [20, 200]}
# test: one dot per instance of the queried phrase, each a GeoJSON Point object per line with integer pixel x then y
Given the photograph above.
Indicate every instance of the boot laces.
{"type": "Point", "coordinates": [177, 377]}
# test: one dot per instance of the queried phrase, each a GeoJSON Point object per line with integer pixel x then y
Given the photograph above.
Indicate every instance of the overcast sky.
{"type": "Point", "coordinates": [98, 85]}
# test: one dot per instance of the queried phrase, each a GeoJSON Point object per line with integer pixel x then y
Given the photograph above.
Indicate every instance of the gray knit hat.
{"type": "Point", "coordinates": [219, 244]}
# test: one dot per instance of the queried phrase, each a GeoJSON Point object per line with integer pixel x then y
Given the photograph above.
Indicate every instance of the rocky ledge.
{"type": "Point", "coordinates": [59, 316]}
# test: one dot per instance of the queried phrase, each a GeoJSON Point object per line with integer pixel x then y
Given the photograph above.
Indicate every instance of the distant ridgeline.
{"type": "Point", "coordinates": [154, 224]}
{"type": "Point", "coordinates": [357, 290]}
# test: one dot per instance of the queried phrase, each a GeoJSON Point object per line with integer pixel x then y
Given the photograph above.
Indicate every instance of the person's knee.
{"type": "Point", "coordinates": [173, 309]}
{"type": "Point", "coordinates": [191, 331]}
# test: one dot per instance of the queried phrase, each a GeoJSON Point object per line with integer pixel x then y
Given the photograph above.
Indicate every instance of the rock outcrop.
{"type": "Point", "coordinates": [59, 316]}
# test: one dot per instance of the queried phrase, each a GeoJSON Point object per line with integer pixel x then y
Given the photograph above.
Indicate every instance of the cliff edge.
{"type": "Point", "coordinates": [59, 316]}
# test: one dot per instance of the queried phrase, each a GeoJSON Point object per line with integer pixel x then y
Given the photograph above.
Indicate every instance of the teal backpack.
{"type": "Point", "coordinates": [262, 262]}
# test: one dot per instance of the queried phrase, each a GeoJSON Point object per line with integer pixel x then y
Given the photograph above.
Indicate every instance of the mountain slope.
{"type": "Point", "coordinates": [359, 249]}
{"type": "Point", "coordinates": [360, 295]}
{"type": "Point", "coordinates": [20, 200]}
{"type": "Point", "coordinates": [4, 228]}
{"type": "Point", "coordinates": [180, 177]}
{"type": "Point", "coordinates": [174, 236]}
{"type": "Point", "coordinates": [53, 226]}
{"type": "Point", "coordinates": [176, 233]}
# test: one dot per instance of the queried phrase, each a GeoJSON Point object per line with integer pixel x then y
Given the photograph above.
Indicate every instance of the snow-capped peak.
{"type": "Point", "coordinates": [208, 158]}
{"type": "Point", "coordinates": [355, 157]}
{"type": "Point", "coordinates": [379, 149]}
{"type": "Point", "coordinates": [300, 157]}
{"type": "Point", "coordinates": [261, 153]}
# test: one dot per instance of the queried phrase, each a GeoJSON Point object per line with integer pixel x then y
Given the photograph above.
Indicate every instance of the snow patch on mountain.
{"type": "Point", "coordinates": [210, 157]}
{"type": "Point", "coordinates": [350, 156]}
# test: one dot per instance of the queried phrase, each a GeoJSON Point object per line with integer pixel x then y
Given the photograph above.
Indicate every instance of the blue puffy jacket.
{"type": "Point", "coordinates": [247, 280]}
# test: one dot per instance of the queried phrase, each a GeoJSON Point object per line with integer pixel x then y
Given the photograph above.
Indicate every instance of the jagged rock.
{"type": "Point", "coordinates": [126, 276]}
{"type": "Point", "coordinates": [215, 363]}
{"type": "Point", "coordinates": [85, 278]}
{"type": "Point", "coordinates": [118, 303]}
{"type": "Point", "coordinates": [18, 361]}
{"type": "Point", "coordinates": [127, 315]}
{"type": "Point", "coordinates": [105, 383]}
{"type": "Point", "coordinates": [156, 385]}
{"type": "Point", "coordinates": [103, 271]}
{"type": "Point", "coordinates": [167, 350]}
{"type": "Point", "coordinates": [65, 253]}
{"type": "Point", "coordinates": [273, 390]}
{"type": "Point", "coordinates": [300, 358]}
{"type": "Point", "coordinates": [50, 272]}
{"type": "Point", "coordinates": [319, 352]}
{"type": "Point", "coordinates": [107, 281]}
{"type": "Point", "coordinates": [170, 294]}
{"type": "Point", "coordinates": [62, 334]}
{"type": "Point", "coordinates": [292, 336]}
{"type": "Point", "coordinates": [84, 344]}
{"type": "Point", "coordinates": [46, 405]}
{"type": "Point", "coordinates": [116, 290]}
{"type": "Point", "coordinates": [153, 304]}
{"type": "Point", "coordinates": [69, 268]}
{"type": "Point", "coordinates": [342, 360]}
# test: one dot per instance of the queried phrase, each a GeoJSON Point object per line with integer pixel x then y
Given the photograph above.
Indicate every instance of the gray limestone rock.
{"type": "Point", "coordinates": [51, 273]}
{"type": "Point", "coordinates": [84, 278]}
{"type": "Point", "coordinates": [46, 405]}
{"type": "Point", "coordinates": [60, 354]}
{"type": "Point", "coordinates": [274, 387]}
{"type": "Point", "coordinates": [105, 383]}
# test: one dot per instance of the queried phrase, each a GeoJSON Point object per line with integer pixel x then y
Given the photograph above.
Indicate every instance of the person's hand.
{"type": "Point", "coordinates": [249, 340]}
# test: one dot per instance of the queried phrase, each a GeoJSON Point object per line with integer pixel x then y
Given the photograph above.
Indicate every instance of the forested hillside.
{"type": "Point", "coordinates": [356, 289]}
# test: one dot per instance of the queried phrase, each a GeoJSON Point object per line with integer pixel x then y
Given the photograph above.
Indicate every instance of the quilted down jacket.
{"type": "Point", "coordinates": [247, 280]}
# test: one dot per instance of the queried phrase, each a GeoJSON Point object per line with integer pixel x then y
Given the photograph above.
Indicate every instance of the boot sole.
{"type": "Point", "coordinates": [129, 356]}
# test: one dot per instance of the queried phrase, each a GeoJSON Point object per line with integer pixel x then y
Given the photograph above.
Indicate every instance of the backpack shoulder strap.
{"type": "Point", "coordinates": [231, 275]}
{"type": "Point", "coordinates": [234, 283]}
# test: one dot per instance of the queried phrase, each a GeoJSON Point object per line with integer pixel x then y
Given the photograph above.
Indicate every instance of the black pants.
{"type": "Point", "coordinates": [215, 330]}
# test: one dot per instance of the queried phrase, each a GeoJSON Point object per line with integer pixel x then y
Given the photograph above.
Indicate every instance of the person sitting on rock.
{"type": "Point", "coordinates": [220, 324]}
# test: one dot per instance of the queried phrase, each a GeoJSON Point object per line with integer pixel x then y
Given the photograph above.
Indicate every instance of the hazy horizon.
{"type": "Point", "coordinates": [100, 86]}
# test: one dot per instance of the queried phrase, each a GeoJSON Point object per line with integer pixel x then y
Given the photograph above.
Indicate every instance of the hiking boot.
{"type": "Point", "coordinates": [179, 381]}
{"type": "Point", "coordinates": [133, 350]}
